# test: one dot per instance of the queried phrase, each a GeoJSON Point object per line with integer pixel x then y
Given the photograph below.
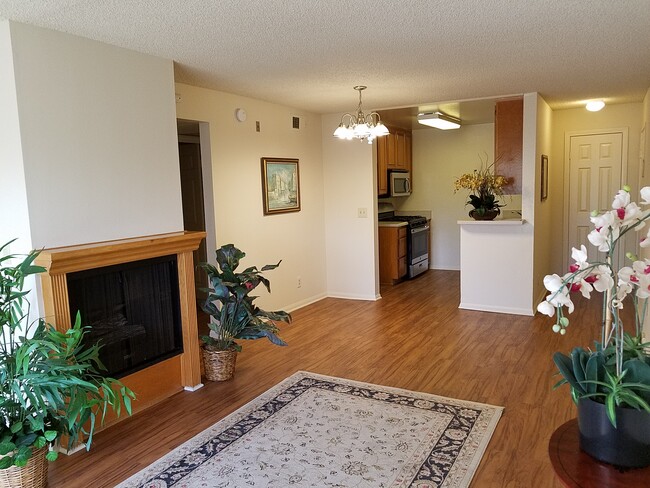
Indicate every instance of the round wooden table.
{"type": "Point", "coordinates": [575, 469]}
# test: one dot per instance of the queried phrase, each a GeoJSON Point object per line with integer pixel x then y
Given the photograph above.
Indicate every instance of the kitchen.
{"type": "Point", "coordinates": [438, 157]}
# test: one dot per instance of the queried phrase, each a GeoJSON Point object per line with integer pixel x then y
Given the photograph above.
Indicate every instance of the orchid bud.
{"type": "Point", "coordinates": [627, 188]}
{"type": "Point", "coordinates": [564, 322]}
{"type": "Point", "coordinates": [631, 256]}
{"type": "Point", "coordinates": [594, 213]}
{"type": "Point", "coordinates": [556, 328]}
{"type": "Point", "coordinates": [562, 331]}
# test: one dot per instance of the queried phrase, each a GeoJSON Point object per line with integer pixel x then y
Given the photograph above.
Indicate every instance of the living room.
{"type": "Point", "coordinates": [89, 153]}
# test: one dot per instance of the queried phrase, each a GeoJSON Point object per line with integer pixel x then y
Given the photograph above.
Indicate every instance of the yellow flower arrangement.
{"type": "Point", "coordinates": [484, 186]}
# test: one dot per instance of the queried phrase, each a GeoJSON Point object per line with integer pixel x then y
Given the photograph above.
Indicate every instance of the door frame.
{"type": "Point", "coordinates": [205, 145]}
{"type": "Point", "coordinates": [567, 172]}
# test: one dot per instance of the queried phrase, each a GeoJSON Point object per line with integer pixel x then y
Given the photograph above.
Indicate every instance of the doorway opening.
{"type": "Point", "coordinates": [195, 166]}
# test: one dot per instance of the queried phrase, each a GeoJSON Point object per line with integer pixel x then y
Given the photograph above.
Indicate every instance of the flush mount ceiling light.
{"type": "Point", "coordinates": [595, 105]}
{"type": "Point", "coordinates": [439, 120]}
{"type": "Point", "coordinates": [360, 126]}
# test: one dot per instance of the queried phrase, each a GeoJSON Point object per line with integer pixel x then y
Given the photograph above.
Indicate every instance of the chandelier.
{"type": "Point", "coordinates": [360, 126]}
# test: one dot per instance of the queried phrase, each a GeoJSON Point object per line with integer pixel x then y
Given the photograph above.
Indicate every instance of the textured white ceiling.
{"type": "Point", "coordinates": [309, 53]}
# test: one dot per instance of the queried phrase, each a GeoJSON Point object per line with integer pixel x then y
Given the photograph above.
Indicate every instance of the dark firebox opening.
{"type": "Point", "coordinates": [133, 311]}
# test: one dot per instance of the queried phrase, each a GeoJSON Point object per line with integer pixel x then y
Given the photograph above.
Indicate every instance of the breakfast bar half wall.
{"type": "Point", "coordinates": [496, 266]}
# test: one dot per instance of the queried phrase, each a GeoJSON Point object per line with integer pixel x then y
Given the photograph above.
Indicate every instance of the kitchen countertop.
{"type": "Point", "coordinates": [492, 222]}
{"type": "Point", "coordinates": [392, 224]}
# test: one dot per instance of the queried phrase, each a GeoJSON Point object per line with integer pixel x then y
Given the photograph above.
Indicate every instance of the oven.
{"type": "Point", "coordinates": [418, 249]}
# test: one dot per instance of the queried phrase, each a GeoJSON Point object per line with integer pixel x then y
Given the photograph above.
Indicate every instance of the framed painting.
{"type": "Point", "coordinates": [544, 178]}
{"type": "Point", "coordinates": [280, 185]}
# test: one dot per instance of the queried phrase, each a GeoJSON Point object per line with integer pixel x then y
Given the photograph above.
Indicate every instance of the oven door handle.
{"type": "Point", "coordinates": [420, 229]}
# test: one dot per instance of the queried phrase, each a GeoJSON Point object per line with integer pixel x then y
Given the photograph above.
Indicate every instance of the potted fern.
{"type": "Point", "coordinates": [50, 383]}
{"type": "Point", "coordinates": [233, 313]}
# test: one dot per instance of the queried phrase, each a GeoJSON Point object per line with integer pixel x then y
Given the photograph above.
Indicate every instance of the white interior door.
{"type": "Point", "coordinates": [595, 162]}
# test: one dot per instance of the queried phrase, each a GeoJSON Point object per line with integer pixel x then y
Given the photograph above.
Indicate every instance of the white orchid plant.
{"type": "Point", "coordinates": [618, 370]}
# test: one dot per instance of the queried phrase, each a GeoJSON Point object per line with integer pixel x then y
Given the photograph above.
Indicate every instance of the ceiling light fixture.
{"type": "Point", "coordinates": [361, 126]}
{"type": "Point", "coordinates": [439, 120]}
{"type": "Point", "coordinates": [595, 105]}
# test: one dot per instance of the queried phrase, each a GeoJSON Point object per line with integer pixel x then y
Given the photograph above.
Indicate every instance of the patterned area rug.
{"type": "Point", "coordinates": [318, 431]}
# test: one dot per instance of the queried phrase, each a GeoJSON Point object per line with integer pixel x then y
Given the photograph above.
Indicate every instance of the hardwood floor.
{"type": "Point", "coordinates": [414, 338]}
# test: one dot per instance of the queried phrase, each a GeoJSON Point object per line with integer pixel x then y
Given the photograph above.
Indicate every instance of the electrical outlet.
{"type": "Point", "coordinates": [362, 213]}
{"type": "Point", "coordinates": [299, 282]}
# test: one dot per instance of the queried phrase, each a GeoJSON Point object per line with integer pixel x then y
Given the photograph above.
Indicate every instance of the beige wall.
{"type": "Point", "coordinates": [98, 139]}
{"type": "Point", "coordinates": [438, 158]}
{"type": "Point", "coordinates": [349, 185]}
{"type": "Point", "coordinates": [644, 176]}
{"type": "Point", "coordinates": [14, 223]}
{"type": "Point", "coordinates": [297, 238]}
{"type": "Point", "coordinates": [645, 181]}
{"type": "Point", "coordinates": [547, 224]}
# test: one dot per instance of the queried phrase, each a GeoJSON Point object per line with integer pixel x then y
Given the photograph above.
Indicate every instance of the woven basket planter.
{"type": "Point", "coordinates": [33, 475]}
{"type": "Point", "coordinates": [219, 365]}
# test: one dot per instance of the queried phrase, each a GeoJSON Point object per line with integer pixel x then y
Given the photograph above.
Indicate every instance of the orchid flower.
{"type": "Point", "coordinates": [638, 275]}
{"type": "Point", "coordinates": [584, 277]}
{"type": "Point", "coordinates": [645, 195]}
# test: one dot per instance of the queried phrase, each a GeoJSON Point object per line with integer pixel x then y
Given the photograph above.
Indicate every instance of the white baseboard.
{"type": "Point", "coordinates": [444, 268]}
{"type": "Point", "coordinates": [490, 308]}
{"type": "Point", "coordinates": [348, 296]}
{"type": "Point", "coordinates": [305, 302]}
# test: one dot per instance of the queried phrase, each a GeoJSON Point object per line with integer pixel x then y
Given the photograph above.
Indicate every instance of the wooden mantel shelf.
{"type": "Point", "coordinates": [157, 382]}
{"type": "Point", "coordinates": [60, 260]}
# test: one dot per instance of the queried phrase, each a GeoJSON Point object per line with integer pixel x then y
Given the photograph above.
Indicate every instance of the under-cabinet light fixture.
{"type": "Point", "coordinates": [439, 120]}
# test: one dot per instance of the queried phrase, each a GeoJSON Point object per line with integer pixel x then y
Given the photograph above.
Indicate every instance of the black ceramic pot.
{"type": "Point", "coordinates": [627, 445]}
{"type": "Point", "coordinates": [485, 215]}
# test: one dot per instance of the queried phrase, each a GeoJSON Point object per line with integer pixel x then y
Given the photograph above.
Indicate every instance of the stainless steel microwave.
{"type": "Point", "coordinates": [400, 183]}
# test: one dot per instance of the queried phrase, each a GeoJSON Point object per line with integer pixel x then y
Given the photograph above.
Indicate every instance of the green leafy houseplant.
{"type": "Point", "coordinates": [231, 307]}
{"type": "Point", "coordinates": [50, 383]}
{"type": "Point", "coordinates": [616, 372]}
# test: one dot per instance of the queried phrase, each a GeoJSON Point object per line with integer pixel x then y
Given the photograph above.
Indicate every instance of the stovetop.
{"type": "Point", "coordinates": [412, 220]}
{"type": "Point", "coordinates": [386, 213]}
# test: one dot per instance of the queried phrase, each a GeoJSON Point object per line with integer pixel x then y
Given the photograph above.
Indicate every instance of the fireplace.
{"type": "Point", "coordinates": [138, 295]}
{"type": "Point", "coordinates": [132, 310]}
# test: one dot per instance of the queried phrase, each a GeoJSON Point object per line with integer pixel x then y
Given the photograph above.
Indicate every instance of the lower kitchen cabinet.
{"type": "Point", "coordinates": [392, 254]}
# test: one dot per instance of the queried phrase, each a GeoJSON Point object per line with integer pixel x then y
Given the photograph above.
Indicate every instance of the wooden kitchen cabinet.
{"type": "Point", "coordinates": [382, 165]}
{"type": "Point", "coordinates": [508, 142]}
{"type": "Point", "coordinates": [392, 254]}
{"type": "Point", "coordinates": [394, 152]}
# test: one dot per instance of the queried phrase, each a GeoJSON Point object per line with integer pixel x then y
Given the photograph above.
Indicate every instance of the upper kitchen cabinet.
{"type": "Point", "coordinates": [508, 137]}
{"type": "Point", "coordinates": [401, 157]}
{"type": "Point", "coordinates": [382, 165]}
{"type": "Point", "coordinates": [394, 152]}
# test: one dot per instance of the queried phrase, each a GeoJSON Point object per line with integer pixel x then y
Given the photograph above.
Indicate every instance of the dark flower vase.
{"type": "Point", "coordinates": [627, 446]}
{"type": "Point", "coordinates": [487, 214]}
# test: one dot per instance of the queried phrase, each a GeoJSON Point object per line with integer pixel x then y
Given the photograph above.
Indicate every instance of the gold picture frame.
{"type": "Point", "coordinates": [544, 178]}
{"type": "Point", "coordinates": [280, 185]}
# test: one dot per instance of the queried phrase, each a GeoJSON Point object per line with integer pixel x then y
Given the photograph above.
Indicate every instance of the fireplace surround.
{"type": "Point", "coordinates": [154, 383]}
